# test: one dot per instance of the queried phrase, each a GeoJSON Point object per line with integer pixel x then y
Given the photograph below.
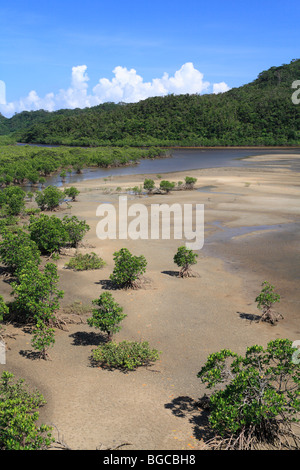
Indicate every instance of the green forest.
{"type": "Point", "coordinates": [20, 164]}
{"type": "Point", "coordinates": [260, 113]}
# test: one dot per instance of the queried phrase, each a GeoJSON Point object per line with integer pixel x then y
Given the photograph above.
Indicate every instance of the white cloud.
{"type": "Point", "coordinates": [220, 87]}
{"type": "Point", "coordinates": [2, 93]}
{"type": "Point", "coordinates": [126, 85]}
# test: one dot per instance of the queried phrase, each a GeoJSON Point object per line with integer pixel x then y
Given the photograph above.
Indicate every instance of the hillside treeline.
{"type": "Point", "coordinates": [259, 113]}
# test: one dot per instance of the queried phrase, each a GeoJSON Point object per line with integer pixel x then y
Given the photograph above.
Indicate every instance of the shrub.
{"type": "Point", "coordinates": [85, 262]}
{"type": "Point", "coordinates": [126, 355]}
{"type": "Point", "coordinates": [50, 198]}
{"type": "Point", "coordinates": [260, 399]}
{"type": "Point", "coordinates": [128, 269]}
{"type": "Point", "coordinates": [18, 416]}
{"type": "Point", "coordinates": [108, 316]}
{"type": "Point", "coordinates": [184, 258]}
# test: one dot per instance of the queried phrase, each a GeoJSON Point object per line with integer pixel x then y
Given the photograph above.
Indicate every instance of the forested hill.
{"type": "Point", "coordinates": [259, 113]}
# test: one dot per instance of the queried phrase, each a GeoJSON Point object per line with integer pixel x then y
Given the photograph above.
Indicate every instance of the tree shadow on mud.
{"type": "Point", "coordinates": [196, 411]}
{"type": "Point", "coordinates": [84, 338]}
{"type": "Point", "coordinates": [171, 273]}
{"type": "Point", "coordinates": [107, 284]}
{"type": "Point", "coordinates": [29, 354]}
{"type": "Point", "coordinates": [249, 316]}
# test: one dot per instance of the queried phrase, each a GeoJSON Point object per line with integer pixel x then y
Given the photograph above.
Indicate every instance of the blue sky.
{"type": "Point", "coordinates": [65, 53]}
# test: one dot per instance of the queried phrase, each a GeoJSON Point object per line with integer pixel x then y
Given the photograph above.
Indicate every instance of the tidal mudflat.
{"type": "Point", "coordinates": [252, 220]}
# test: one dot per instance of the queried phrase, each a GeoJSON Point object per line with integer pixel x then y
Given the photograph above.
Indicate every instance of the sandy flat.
{"type": "Point", "coordinates": [252, 219]}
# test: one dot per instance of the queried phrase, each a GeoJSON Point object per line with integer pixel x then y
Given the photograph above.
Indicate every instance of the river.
{"type": "Point", "coordinates": [181, 160]}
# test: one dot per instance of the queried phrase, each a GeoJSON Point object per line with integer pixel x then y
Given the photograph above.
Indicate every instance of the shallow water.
{"type": "Point", "coordinates": [226, 234]}
{"type": "Point", "coordinates": [181, 160]}
{"type": "Point", "coordinates": [275, 251]}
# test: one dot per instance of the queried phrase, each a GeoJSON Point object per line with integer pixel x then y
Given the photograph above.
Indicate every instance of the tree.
{"type": "Point", "coordinates": [50, 198]}
{"type": "Point", "coordinates": [33, 177]}
{"type": "Point", "coordinates": [75, 228]}
{"type": "Point", "coordinates": [17, 248]}
{"type": "Point", "coordinates": [189, 182]}
{"type": "Point", "coordinates": [4, 310]}
{"type": "Point", "coordinates": [128, 269]}
{"type": "Point", "coordinates": [36, 294]}
{"type": "Point", "coordinates": [12, 200]}
{"type": "Point", "coordinates": [19, 415]}
{"type": "Point", "coordinates": [72, 192]}
{"type": "Point", "coordinates": [184, 258]}
{"type": "Point", "coordinates": [149, 185]}
{"type": "Point", "coordinates": [260, 400]}
{"type": "Point", "coordinates": [63, 175]}
{"type": "Point", "coordinates": [265, 301]}
{"type": "Point", "coordinates": [108, 316]}
{"type": "Point", "coordinates": [43, 339]}
{"type": "Point", "coordinates": [166, 186]}
{"type": "Point", "coordinates": [49, 233]}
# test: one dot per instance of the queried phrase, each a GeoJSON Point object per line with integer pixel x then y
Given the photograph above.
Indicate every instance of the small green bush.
{"type": "Point", "coordinates": [126, 355]}
{"type": "Point", "coordinates": [85, 262]}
